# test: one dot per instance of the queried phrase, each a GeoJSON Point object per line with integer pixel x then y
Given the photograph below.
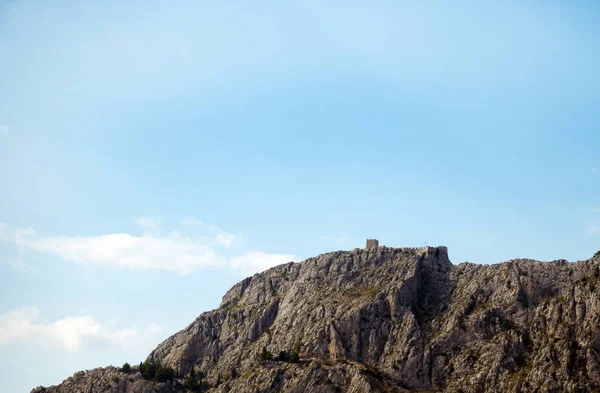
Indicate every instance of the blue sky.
{"type": "Point", "coordinates": [152, 154]}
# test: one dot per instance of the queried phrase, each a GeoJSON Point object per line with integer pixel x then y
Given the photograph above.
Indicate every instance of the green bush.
{"type": "Point", "coordinates": [597, 254]}
{"type": "Point", "coordinates": [164, 374]}
{"type": "Point", "coordinates": [295, 354]}
{"type": "Point", "coordinates": [126, 368]}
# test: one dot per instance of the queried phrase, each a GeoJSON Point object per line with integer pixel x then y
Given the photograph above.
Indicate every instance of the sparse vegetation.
{"type": "Point", "coordinates": [295, 354]}
{"type": "Point", "coordinates": [116, 379]}
{"type": "Point", "coordinates": [360, 291]}
{"type": "Point", "coordinates": [483, 306]}
{"type": "Point", "coordinates": [521, 374]}
{"type": "Point", "coordinates": [193, 383]}
{"type": "Point", "coordinates": [592, 282]}
{"type": "Point", "coordinates": [265, 355]}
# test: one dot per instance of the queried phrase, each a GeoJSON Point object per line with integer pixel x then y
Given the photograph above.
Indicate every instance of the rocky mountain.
{"type": "Point", "coordinates": [387, 320]}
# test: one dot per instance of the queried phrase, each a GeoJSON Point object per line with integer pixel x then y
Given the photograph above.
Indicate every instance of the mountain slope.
{"type": "Point", "coordinates": [390, 319]}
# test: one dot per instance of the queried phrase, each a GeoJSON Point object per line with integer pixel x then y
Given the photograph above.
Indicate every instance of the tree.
{"type": "Point", "coordinates": [148, 370]}
{"type": "Point", "coordinates": [597, 254]}
{"type": "Point", "coordinates": [126, 368]}
{"type": "Point", "coordinates": [164, 373]}
{"type": "Point", "coordinates": [265, 355]}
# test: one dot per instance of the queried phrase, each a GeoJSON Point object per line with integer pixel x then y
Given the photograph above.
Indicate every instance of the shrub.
{"type": "Point", "coordinates": [126, 368]}
{"type": "Point", "coordinates": [295, 354]}
{"type": "Point", "coordinates": [195, 384]}
{"type": "Point", "coordinates": [164, 374]}
{"type": "Point", "coordinates": [265, 355]}
{"type": "Point", "coordinates": [116, 379]}
{"type": "Point", "coordinates": [597, 254]}
{"type": "Point", "coordinates": [191, 383]}
{"type": "Point", "coordinates": [592, 282]}
{"type": "Point", "coordinates": [294, 357]}
{"type": "Point", "coordinates": [148, 370]}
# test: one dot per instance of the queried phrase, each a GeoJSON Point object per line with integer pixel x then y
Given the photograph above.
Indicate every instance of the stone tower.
{"type": "Point", "coordinates": [371, 243]}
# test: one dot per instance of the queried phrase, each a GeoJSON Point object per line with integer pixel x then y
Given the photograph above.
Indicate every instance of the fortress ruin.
{"type": "Point", "coordinates": [372, 243]}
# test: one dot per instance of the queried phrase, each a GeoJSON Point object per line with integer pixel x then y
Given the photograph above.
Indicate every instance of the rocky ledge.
{"type": "Point", "coordinates": [387, 320]}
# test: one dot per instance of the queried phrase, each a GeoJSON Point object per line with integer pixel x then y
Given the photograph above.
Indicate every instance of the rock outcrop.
{"type": "Point", "coordinates": [389, 320]}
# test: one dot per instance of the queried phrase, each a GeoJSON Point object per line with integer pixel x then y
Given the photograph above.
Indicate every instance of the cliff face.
{"type": "Point", "coordinates": [394, 320]}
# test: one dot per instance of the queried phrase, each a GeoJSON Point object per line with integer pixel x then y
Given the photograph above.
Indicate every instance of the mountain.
{"type": "Point", "coordinates": [387, 320]}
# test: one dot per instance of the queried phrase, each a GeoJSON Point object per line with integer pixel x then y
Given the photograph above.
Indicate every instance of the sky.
{"type": "Point", "coordinates": [153, 154]}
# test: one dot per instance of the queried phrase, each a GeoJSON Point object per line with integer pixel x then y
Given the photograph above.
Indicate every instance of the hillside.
{"type": "Point", "coordinates": [387, 320]}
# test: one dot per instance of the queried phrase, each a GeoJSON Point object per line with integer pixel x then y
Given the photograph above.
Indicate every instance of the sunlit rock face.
{"type": "Point", "coordinates": [388, 320]}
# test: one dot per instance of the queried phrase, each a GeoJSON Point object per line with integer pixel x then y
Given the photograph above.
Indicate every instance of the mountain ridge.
{"type": "Point", "coordinates": [401, 319]}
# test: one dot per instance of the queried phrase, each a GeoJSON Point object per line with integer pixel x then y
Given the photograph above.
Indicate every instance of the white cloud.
{"type": "Point", "coordinates": [594, 230]}
{"type": "Point", "coordinates": [594, 209]}
{"type": "Point", "coordinates": [225, 239]}
{"type": "Point", "coordinates": [3, 129]}
{"type": "Point", "coordinates": [149, 224]}
{"type": "Point", "coordinates": [20, 265]}
{"type": "Point", "coordinates": [256, 261]}
{"type": "Point", "coordinates": [190, 221]}
{"type": "Point", "coordinates": [171, 251]}
{"type": "Point", "coordinates": [71, 333]}
{"type": "Point", "coordinates": [219, 236]}
{"type": "Point", "coordinates": [154, 328]}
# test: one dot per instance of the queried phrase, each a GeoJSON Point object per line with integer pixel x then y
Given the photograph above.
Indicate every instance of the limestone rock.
{"type": "Point", "coordinates": [393, 320]}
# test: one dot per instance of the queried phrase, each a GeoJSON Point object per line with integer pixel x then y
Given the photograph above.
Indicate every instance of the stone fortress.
{"type": "Point", "coordinates": [374, 243]}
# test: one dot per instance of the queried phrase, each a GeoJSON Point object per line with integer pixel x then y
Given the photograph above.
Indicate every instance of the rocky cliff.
{"type": "Point", "coordinates": [388, 320]}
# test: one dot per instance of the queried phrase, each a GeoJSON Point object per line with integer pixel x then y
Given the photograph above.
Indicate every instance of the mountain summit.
{"type": "Point", "coordinates": [385, 320]}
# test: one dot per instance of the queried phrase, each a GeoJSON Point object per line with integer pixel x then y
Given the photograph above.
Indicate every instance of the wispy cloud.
{"type": "Point", "coordinates": [190, 221]}
{"type": "Point", "coordinates": [22, 266]}
{"type": "Point", "coordinates": [593, 230]}
{"type": "Point", "coordinates": [71, 333]}
{"type": "Point", "coordinates": [3, 129]}
{"type": "Point", "coordinates": [170, 251]}
{"type": "Point", "coordinates": [220, 237]}
{"type": "Point", "coordinates": [149, 224]}
{"type": "Point", "coordinates": [594, 209]}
